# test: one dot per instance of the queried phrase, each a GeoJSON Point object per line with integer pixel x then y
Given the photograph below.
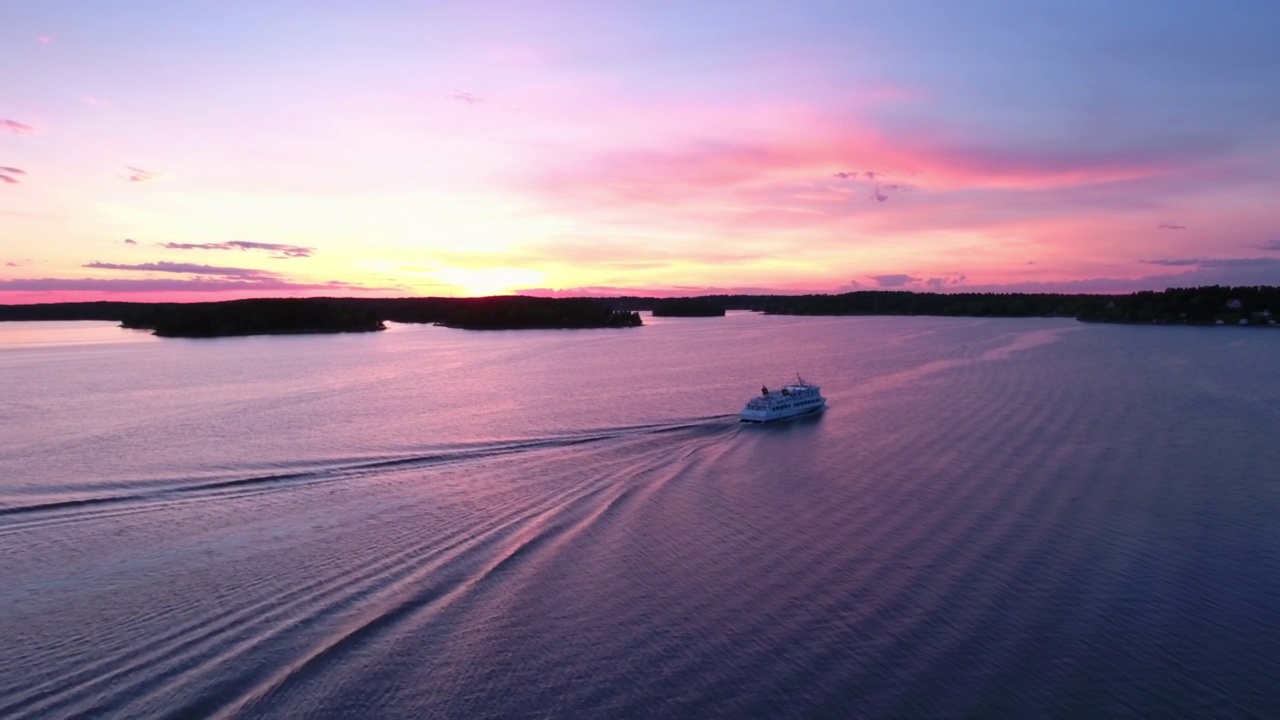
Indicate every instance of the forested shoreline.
{"type": "Point", "coordinates": [269, 316]}
{"type": "Point", "coordinates": [1211, 305]}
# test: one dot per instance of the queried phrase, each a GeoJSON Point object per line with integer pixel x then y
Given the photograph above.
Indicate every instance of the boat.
{"type": "Point", "coordinates": [797, 398]}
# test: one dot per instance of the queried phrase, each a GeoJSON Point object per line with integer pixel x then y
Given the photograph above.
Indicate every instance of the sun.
{"type": "Point", "coordinates": [481, 282]}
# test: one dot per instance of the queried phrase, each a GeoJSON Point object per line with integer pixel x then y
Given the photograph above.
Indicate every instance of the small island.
{"type": "Point", "coordinates": [322, 315]}
{"type": "Point", "coordinates": [688, 307]}
{"type": "Point", "coordinates": [277, 316]}
{"type": "Point", "coordinates": [253, 317]}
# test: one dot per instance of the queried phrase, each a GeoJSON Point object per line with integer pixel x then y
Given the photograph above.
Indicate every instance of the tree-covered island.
{"type": "Point", "coordinates": [273, 316]}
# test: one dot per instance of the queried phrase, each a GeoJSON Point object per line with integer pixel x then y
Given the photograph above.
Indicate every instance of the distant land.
{"type": "Point", "coordinates": [253, 317]}
{"type": "Point", "coordinates": [274, 316]}
{"type": "Point", "coordinates": [1209, 305]}
{"type": "Point", "coordinates": [1212, 305]}
{"type": "Point", "coordinates": [688, 307]}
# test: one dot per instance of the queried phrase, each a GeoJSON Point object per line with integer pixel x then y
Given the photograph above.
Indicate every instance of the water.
{"type": "Point", "coordinates": [993, 518]}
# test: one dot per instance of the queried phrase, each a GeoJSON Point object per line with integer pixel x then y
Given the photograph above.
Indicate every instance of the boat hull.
{"type": "Point", "coordinates": [758, 418]}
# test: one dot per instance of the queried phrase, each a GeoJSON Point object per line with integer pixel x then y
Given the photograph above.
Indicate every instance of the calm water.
{"type": "Point", "coordinates": [994, 518]}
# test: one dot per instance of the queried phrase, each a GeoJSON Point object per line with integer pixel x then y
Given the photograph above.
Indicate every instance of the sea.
{"type": "Point", "coordinates": [993, 518]}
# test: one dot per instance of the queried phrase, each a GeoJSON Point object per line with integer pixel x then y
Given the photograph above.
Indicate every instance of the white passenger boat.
{"type": "Point", "coordinates": [798, 398]}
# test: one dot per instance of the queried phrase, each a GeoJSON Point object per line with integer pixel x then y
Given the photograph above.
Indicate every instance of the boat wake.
{"type": "Point", "coordinates": [84, 496]}
{"type": "Point", "coordinates": [380, 549]}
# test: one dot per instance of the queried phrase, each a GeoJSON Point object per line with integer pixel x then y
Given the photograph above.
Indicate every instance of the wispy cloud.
{"type": "Point", "coordinates": [466, 97]}
{"type": "Point", "coordinates": [1198, 272]}
{"type": "Point", "coordinates": [1270, 264]}
{"type": "Point", "coordinates": [96, 101]}
{"type": "Point", "coordinates": [182, 278]}
{"type": "Point", "coordinates": [1194, 272]}
{"type": "Point", "coordinates": [1171, 226]}
{"type": "Point", "coordinates": [1273, 245]}
{"type": "Point", "coordinates": [178, 285]}
{"type": "Point", "coordinates": [138, 175]}
{"type": "Point", "coordinates": [893, 281]}
{"type": "Point", "coordinates": [130, 241]}
{"type": "Point", "coordinates": [904, 281]}
{"type": "Point", "coordinates": [16, 127]}
{"type": "Point", "coordinates": [938, 283]}
{"type": "Point", "coordinates": [284, 251]}
{"type": "Point", "coordinates": [721, 171]}
{"type": "Point", "coordinates": [7, 175]}
{"type": "Point", "coordinates": [856, 175]}
{"type": "Point", "coordinates": [1191, 272]}
{"type": "Point", "coordinates": [1174, 262]}
{"type": "Point", "coordinates": [187, 268]}
{"type": "Point", "coordinates": [880, 191]}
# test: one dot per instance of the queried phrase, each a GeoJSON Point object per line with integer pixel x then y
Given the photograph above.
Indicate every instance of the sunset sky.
{"type": "Point", "coordinates": [208, 150]}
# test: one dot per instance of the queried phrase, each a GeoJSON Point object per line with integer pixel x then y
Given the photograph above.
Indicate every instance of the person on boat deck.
{"type": "Point", "coordinates": [764, 390]}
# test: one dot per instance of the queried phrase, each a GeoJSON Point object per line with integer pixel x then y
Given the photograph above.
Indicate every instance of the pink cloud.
{"type": "Point", "coordinates": [894, 281]}
{"type": "Point", "coordinates": [284, 251]}
{"type": "Point", "coordinates": [37, 290]}
{"type": "Point", "coordinates": [188, 268]}
{"type": "Point", "coordinates": [955, 168]}
{"type": "Point", "coordinates": [115, 285]}
{"type": "Point", "coordinates": [1197, 272]}
{"type": "Point", "coordinates": [466, 98]}
{"type": "Point", "coordinates": [15, 127]}
{"type": "Point", "coordinates": [667, 176]}
{"type": "Point", "coordinates": [699, 169]}
{"type": "Point", "coordinates": [138, 175]}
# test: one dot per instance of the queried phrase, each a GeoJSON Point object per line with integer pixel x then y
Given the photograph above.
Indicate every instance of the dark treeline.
{"type": "Point", "coordinates": [310, 315]}
{"type": "Point", "coordinates": [101, 310]}
{"type": "Point", "coordinates": [1202, 305]}
{"type": "Point", "coordinates": [893, 302]}
{"type": "Point", "coordinates": [898, 302]}
{"type": "Point", "coordinates": [516, 312]}
{"type": "Point", "coordinates": [688, 307]}
{"type": "Point", "coordinates": [1248, 305]}
{"type": "Point", "coordinates": [253, 317]}
{"type": "Point", "coordinates": [1197, 306]}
